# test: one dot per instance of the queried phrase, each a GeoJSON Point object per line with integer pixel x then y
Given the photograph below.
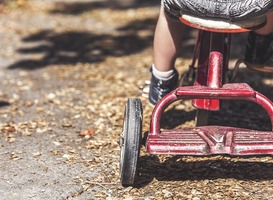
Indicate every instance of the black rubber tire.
{"type": "Point", "coordinates": [130, 142]}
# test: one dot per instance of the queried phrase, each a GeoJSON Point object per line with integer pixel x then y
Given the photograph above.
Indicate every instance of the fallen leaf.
{"type": "Point", "coordinates": [88, 132]}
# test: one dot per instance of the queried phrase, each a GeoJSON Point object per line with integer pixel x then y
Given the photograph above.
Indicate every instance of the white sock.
{"type": "Point", "coordinates": [162, 75]}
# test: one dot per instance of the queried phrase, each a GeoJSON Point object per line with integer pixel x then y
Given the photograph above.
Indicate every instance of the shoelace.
{"type": "Point", "coordinates": [160, 91]}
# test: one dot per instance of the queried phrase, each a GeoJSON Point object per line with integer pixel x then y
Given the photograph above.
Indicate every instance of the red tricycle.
{"type": "Point", "coordinates": [211, 84]}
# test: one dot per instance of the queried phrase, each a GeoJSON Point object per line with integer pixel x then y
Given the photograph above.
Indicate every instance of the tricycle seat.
{"type": "Point", "coordinates": [221, 25]}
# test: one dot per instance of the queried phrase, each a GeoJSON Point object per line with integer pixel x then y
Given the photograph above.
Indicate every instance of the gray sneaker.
{"type": "Point", "coordinates": [160, 88]}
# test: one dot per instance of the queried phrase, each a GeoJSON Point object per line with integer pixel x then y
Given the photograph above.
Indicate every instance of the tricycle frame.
{"type": "Point", "coordinates": [212, 52]}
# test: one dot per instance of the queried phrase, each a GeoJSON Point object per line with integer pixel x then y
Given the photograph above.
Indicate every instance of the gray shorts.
{"type": "Point", "coordinates": [232, 10]}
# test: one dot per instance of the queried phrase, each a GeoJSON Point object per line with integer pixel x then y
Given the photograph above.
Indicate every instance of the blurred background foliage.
{"type": "Point", "coordinates": [14, 3]}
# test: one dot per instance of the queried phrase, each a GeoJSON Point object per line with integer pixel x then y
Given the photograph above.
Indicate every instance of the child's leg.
{"type": "Point", "coordinates": [268, 28]}
{"type": "Point", "coordinates": [167, 42]}
{"type": "Point", "coordinates": [259, 48]}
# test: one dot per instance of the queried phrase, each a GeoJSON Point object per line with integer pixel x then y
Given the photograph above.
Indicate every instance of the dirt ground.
{"type": "Point", "coordinates": [67, 68]}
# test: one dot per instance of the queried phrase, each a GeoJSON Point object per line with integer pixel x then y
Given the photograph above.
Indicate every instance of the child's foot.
{"type": "Point", "coordinates": [259, 52]}
{"type": "Point", "coordinates": [159, 88]}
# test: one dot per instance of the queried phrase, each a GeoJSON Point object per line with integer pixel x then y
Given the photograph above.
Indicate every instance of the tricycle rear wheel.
{"type": "Point", "coordinates": [130, 142]}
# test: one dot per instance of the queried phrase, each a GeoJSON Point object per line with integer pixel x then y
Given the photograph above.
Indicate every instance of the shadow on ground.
{"type": "Point", "coordinates": [83, 47]}
{"type": "Point", "coordinates": [174, 169]}
{"type": "Point", "coordinates": [73, 8]}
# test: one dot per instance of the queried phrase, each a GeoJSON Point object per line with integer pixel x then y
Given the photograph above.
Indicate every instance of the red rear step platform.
{"type": "Point", "coordinates": [208, 140]}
